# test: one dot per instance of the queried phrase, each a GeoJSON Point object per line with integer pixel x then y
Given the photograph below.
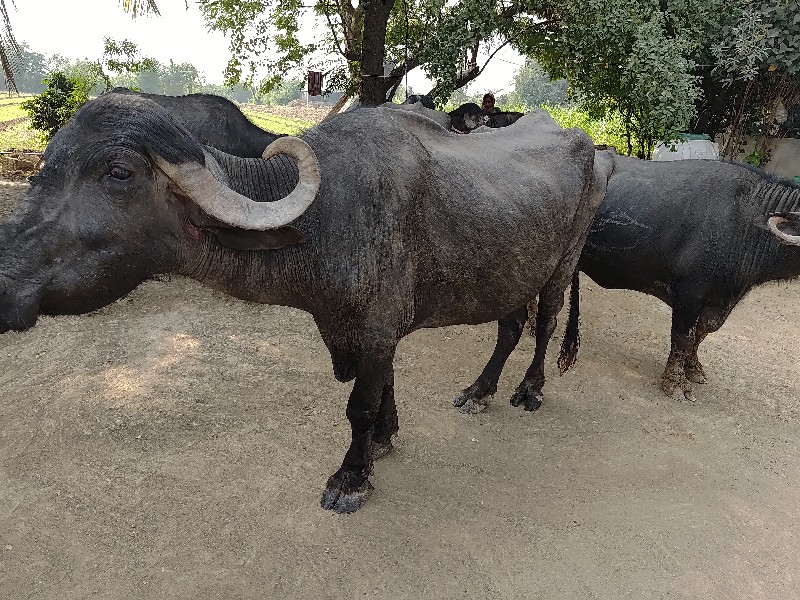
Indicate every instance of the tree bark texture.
{"type": "Point", "coordinates": [373, 51]}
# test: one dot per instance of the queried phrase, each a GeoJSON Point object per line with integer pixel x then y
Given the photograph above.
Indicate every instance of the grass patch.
{"type": "Point", "coordinates": [21, 137]}
{"type": "Point", "coordinates": [278, 123]}
{"type": "Point", "coordinates": [610, 130]}
{"type": "Point", "coordinates": [11, 108]}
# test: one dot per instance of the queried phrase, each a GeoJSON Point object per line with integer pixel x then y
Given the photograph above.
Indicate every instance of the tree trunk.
{"type": "Point", "coordinates": [373, 51]}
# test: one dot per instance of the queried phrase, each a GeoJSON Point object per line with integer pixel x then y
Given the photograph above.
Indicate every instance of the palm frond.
{"type": "Point", "coordinates": [139, 7]}
{"type": "Point", "coordinates": [9, 49]}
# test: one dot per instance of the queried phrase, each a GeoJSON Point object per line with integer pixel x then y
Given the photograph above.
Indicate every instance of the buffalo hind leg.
{"type": "Point", "coordinates": [386, 424]}
{"type": "Point", "coordinates": [529, 392]}
{"type": "Point", "coordinates": [348, 488]}
{"type": "Point", "coordinates": [509, 330]}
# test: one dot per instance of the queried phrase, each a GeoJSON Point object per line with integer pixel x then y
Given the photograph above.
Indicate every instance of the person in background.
{"type": "Point", "coordinates": [488, 104]}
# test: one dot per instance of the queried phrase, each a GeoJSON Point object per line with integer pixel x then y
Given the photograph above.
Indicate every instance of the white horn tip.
{"type": "Point", "coordinates": [773, 223]}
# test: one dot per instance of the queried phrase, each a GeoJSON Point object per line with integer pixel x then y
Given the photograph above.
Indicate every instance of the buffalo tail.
{"type": "Point", "coordinates": [572, 335]}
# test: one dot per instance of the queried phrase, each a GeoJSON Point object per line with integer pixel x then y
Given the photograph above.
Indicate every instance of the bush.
{"type": "Point", "coordinates": [62, 97]}
{"type": "Point", "coordinates": [609, 130]}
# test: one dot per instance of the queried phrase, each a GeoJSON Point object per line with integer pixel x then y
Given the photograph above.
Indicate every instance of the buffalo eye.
{"type": "Point", "coordinates": [120, 173]}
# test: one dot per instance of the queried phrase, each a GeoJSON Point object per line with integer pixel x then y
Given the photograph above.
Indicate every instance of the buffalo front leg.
{"type": "Point", "coordinates": [509, 330]}
{"type": "Point", "coordinates": [348, 488]}
{"type": "Point", "coordinates": [682, 346]}
{"type": "Point", "coordinates": [693, 368]}
{"type": "Point", "coordinates": [529, 392]}
{"type": "Point", "coordinates": [711, 319]}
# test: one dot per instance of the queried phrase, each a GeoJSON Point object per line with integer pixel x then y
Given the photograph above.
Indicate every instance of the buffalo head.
{"type": "Point", "coordinates": [119, 199]}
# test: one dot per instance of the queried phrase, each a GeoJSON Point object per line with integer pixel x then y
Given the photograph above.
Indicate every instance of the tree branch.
{"type": "Point", "coordinates": [333, 32]}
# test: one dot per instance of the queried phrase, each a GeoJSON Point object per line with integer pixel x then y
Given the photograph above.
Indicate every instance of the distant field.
{"type": "Point", "coordinates": [14, 132]}
{"type": "Point", "coordinates": [11, 108]}
{"type": "Point", "coordinates": [277, 123]}
{"type": "Point", "coordinates": [19, 136]}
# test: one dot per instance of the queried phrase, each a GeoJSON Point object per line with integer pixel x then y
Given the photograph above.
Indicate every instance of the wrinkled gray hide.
{"type": "Point", "coordinates": [410, 228]}
{"type": "Point", "coordinates": [437, 116]}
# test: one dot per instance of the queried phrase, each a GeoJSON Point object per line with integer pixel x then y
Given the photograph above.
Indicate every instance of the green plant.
{"type": "Point", "coordinates": [63, 95]}
{"type": "Point", "coordinates": [755, 158]}
{"type": "Point", "coordinates": [609, 130]}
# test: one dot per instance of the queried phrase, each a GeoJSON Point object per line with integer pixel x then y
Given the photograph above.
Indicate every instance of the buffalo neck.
{"type": "Point", "coordinates": [266, 276]}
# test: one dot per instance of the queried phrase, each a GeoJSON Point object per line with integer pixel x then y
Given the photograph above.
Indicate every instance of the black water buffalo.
{"type": "Point", "coordinates": [467, 117]}
{"type": "Point", "coordinates": [502, 118]}
{"type": "Point", "coordinates": [422, 99]}
{"type": "Point", "coordinates": [692, 234]}
{"type": "Point", "coordinates": [695, 234]}
{"type": "Point", "coordinates": [387, 225]}
{"type": "Point", "coordinates": [213, 121]}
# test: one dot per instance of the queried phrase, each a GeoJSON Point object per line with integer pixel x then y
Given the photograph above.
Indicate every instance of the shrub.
{"type": "Point", "coordinates": [62, 97]}
{"type": "Point", "coordinates": [609, 130]}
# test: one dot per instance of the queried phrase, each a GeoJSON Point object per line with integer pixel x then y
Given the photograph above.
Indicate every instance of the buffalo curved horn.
{"type": "Point", "coordinates": [237, 210]}
{"type": "Point", "coordinates": [773, 223]}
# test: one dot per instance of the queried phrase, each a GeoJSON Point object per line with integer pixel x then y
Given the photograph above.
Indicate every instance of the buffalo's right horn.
{"type": "Point", "coordinates": [237, 210]}
{"type": "Point", "coordinates": [773, 223]}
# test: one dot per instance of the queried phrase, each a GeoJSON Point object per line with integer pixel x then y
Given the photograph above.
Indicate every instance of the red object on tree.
{"type": "Point", "coordinates": [314, 83]}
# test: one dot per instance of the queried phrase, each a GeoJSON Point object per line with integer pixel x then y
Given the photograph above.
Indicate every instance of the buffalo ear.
{"type": "Point", "coordinates": [246, 239]}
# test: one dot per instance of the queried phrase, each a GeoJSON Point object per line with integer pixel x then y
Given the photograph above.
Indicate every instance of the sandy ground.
{"type": "Point", "coordinates": [175, 444]}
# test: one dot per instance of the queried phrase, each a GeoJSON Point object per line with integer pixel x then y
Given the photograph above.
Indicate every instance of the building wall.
{"type": "Point", "coordinates": [783, 154]}
{"type": "Point", "coordinates": [785, 158]}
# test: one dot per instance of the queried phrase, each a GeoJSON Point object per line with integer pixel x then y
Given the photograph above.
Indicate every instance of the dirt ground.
{"type": "Point", "coordinates": [175, 445]}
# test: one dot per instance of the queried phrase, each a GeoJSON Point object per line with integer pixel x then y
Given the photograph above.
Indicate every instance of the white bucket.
{"type": "Point", "coordinates": [686, 149]}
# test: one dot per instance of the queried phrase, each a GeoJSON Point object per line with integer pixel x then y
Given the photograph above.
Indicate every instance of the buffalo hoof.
{"type": "Point", "coordinates": [380, 449]}
{"type": "Point", "coordinates": [343, 494]}
{"type": "Point", "coordinates": [670, 386]}
{"type": "Point", "coordinates": [460, 400]}
{"type": "Point", "coordinates": [695, 374]}
{"type": "Point", "coordinates": [472, 407]}
{"type": "Point", "coordinates": [475, 398]}
{"type": "Point", "coordinates": [529, 400]}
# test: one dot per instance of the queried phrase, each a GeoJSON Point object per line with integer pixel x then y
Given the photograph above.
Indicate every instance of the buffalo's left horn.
{"type": "Point", "coordinates": [237, 210]}
{"type": "Point", "coordinates": [773, 223]}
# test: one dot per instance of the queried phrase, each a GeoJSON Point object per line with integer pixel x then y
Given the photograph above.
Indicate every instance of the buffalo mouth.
{"type": "Point", "coordinates": [18, 319]}
{"type": "Point", "coordinates": [18, 311]}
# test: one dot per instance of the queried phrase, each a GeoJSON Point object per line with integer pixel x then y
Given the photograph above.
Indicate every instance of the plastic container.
{"type": "Point", "coordinates": [690, 146]}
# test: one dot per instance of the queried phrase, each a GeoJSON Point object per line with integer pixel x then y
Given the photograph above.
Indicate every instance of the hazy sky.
{"type": "Point", "coordinates": [76, 30]}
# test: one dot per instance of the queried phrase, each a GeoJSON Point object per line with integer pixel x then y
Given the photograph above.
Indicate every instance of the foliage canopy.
{"type": "Point", "coordinates": [63, 95]}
